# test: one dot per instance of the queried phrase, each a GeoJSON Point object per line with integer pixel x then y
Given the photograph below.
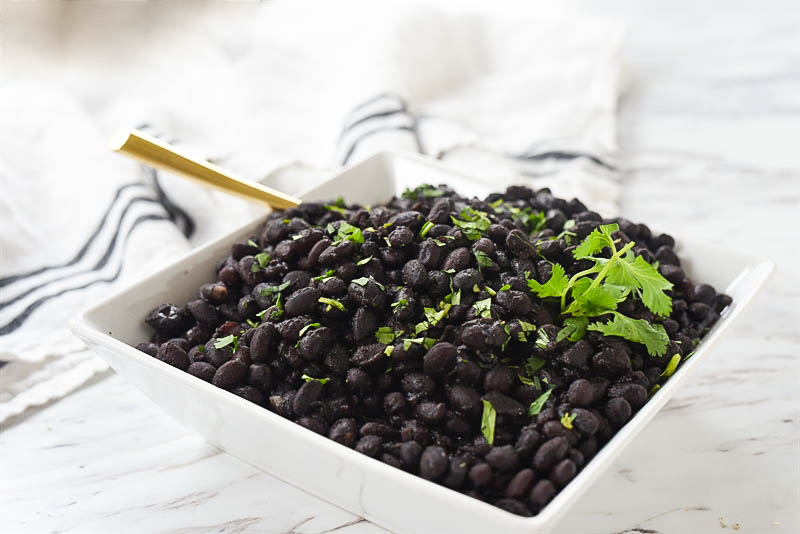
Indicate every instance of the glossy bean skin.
{"type": "Point", "coordinates": [411, 332]}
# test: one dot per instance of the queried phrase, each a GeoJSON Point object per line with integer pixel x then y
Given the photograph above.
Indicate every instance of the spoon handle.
{"type": "Point", "coordinates": [156, 153]}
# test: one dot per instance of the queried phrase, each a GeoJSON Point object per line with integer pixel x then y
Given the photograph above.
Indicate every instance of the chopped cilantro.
{"type": "Point", "coordinates": [473, 223]}
{"type": "Point", "coordinates": [537, 405]}
{"type": "Point", "coordinates": [364, 261]}
{"type": "Point", "coordinates": [672, 365]}
{"type": "Point", "coordinates": [425, 191]}
{"type": "Point", "coordinates": [271, 290]}
{"type": "Point", "coordinates": [324, 277]}
{"type": "Point", "coordinates": [505, 287]}
{"type": "Point", "coordinates": [308, 327]}
{"type": "Point", "coordinates": [386, 335]}
{"type": "Point", "coordinates": [388, 350]}
{"type": "Point", "coordinates": [484, 308]}
{"type": "Point", "coordinates": [360, 281]}
{"type": "Point", "coordinates": [525, 380]}
{"type": "Point", "coordinates": [425, 229]}
{"type": "Point", "coordinates": [331, 303]}
{"type": "Point", "coordinates": [338, 209]}
{"type": "Point", "coordinates": [449, 271]}
{"type": "Point", "coordinates": [567, 419]}
{"type": "Point", "coordinates": [263, 259]}
{"type": "Point", "coordinates": [402, 304]}
{"type": "Point", "coordinates": [227, 340]}
{"type": "Point", "coordinates": [489, 290]}
{"type": "Point", "coordinates": [483, 259]}
{"type": "Point", "coordinates": [252, 243]}
{"type": "Point", "coordinates": [252, 323]}
{"type": "Point", "coordinates": [346, 231]}
{"type": "Point", "coordinates": [533, 364]}
{"type": "Point", "coordinates": [574, 329]}
{"type": "Point", "coordinates": [488, 420]}
{"type": "Point", "coordinates": [311, 378]}
{"type": "Point", "coordinates": [542, 340]}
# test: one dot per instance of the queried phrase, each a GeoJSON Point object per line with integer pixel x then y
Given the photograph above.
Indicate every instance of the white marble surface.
{"type": "Point", "coordinates": [709, 136]}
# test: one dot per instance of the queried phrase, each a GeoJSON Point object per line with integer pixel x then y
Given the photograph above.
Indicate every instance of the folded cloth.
{"type": "Point", "coordinates": [516, 95]}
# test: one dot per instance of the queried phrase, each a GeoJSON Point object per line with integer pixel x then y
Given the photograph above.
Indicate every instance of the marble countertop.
{"type": "Point", "coordinates": [709, 137]}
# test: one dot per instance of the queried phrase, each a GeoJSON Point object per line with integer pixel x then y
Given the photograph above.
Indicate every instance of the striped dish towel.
{"type": "Point", "coordinates": [528, 96]}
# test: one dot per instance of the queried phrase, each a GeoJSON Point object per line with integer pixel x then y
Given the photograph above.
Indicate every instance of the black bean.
{"type": "Point", "coordinates": [577, 356]}
{"type": "Point", "coordinates": [148, 348]}
{"type": "Point", "coordinates": [357, 380]}
{"type": "Point", "coordinates": [618, 411]}
{"type": "Point", "coordinates": [549, 453]}
{"type": "Point", "coordinates": [635, 394]}
{"type": "Point", "coordinates": [261, 343]}
{"type": "Point", "coordinates": [249, 393]}
{"type": "Point", "coordinates": [440, 359]}
{"type": "Point", "coordinates": [585, 422]}
{"type": "Point", "coordinates": [503, 404]}
{"type": "Point", "coordinates": [202, 370]}
{"type": "Point", "coordinates": [563, 472]}
{"type": "Point", "coordinates": [502, 458]}
{"type": "Point", "coordinates": [168, 318]}
{"type": "Point", "coordinates": [431, 412]}
{"type": "Point", "coordinates": [415, 274]}
{"type": "Point", "coordinates": [612, 361]}
{"type": "Point", "coordinates": [480, 474]}
{"type": "Point", "coordinates": [394, 403]}
{"type": "Point", "coordinates": [172, 354]}
{"type": "Point", "coordinates": [526, 443]}
{"type": "Point", "coordinates": [517, 243]}
{"type": "Point", "coordinates": [305, 396]}
{"type": "Point", "coordinates": [368, 355]}
{"type": "Point", "coordinates": [520, 484]}
{"type": "Point", "coordinates": [499, 378]}
{"type": "Point", "coordinates": [580, 392]}
{"type": "Point", "coordinates": [542, 493]}
{"type": "Point", "coordinates": [229, 374]}
{"type": "Point", "coordinates": [456, 472]}
{"type": "Point", "coordinates": [374, 428]}
{"type": "Point", "coordinates": [464, 400]}
{"type": "Point", "coordinates": [458, 259]}
{"type": "Point", "coordinates": [203, 312]}
{"type": "Point", "coordinates": [260, 376]}
{"type": "Point", "coordinates": [432, 462]}
{"type": "Point", "coordinates": [344, 431]}
{"type": "Point", "coordinates": [417, 385]}
{"type": "Point", "coordinates": [467, 278]}
{"type": "Point", "coordinates": [302, 301]}
{"type": "Point", "coordinates": [369, 445]}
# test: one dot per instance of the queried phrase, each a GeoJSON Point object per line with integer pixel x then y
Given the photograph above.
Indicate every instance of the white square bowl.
{"type": "Point", "coordinates": [389, 497]}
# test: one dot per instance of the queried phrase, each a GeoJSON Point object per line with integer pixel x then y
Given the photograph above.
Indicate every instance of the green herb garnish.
{"type": "Point", "coordinates": [425, 229]}
{"type": "Point", "coordinates": [227, 340]}
{"type": "Point", "coordinates": [402, 304]}
{"type": "Point", "coordinates": [346, 231]}
{"type": "Point", "coordinates": [308, 327]}
{"type": "Point", "coordinates": [567, 419]}
{"type": "Point", "coordinates": [473, 223]}
{"type": "Point", "coordinates": [574, 329]}
{"type": "Point", "coordinates": [425, 191]}
{"type": "Point", "coordinates": [672, 365]}
{"type": "Point", "coordinates": [271, 290]}
{"type": "Point", "coordinates": [331, 303]}
{"type": "Point", "coordinates": [537, 405]}
{"type": "Point", "coordinates": [483, 259]}
{"type": "Point", "coordinates": [364, 261]}
{"type": "Point", "coordinates": [483, 308]}
{"type": "Point", "coordinates": [311, 378]}
{"type": "Point", "coordinates": [652, 336]}
{"type": "Point", "coordinates": [488, 420]}
{"type": "Point", "coordinates": [386, 335]}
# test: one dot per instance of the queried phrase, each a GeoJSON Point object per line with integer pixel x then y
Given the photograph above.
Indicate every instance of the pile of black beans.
{"type": "Point", "coordinates": [301, 304]}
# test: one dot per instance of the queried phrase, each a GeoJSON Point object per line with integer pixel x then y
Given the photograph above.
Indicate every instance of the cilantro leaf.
{"type": "Point", "coordinates": [533, 364]}
{"type": "Point", "coordinates": [488, 420]}
{"type": "Point", "coordinates": [554, 287]}
{"type": "Point", "coordinates": [483, 259]}
{"type": "Point", "coordinates": [672, 365]}
{"type": "Point", "coordinates": [402, 304]}
{"type": "Point", "coordinates": [307, 327]}
{"type": "Point", "coordinates": [652, 336]}
{"type": "Point", "coordinates": [567, 419]}
{"type": "Point", "coordinates": [537, 405]}
{"type": "Point", "coordinates": [310, 378]}
{"type": "Point", "coordinates": [484, 308]}
{"type": "Point", "coordinates": [346, 231]}
{"type": "Point", "coordinates": [386, 335]}
{"type": "Point", "coordinates": [634, 271]}
{"type": "Point", "coordinates": [425, 229]}
{"type": "Point", "coordinates": [331, 303]}
{"type": "Point", "coordinates": [574, 329]}
{"type": "Point", "coordinates": [592, 301]}
{"type": "Point", "coordinates": [227, 340]}
{"type": "Point", "coordinates": [596, 241]}
{"type": "Point", "coordinates": [425, 191]}
{"type": "Point", "coordinates": [364, 261]}
{"type": "Point", "coordinates": [263, 259]}
{"type": "Point", "coordinates": [271, 290]}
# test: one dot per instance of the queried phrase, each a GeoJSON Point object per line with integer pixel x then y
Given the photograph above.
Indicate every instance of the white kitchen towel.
{"type": "Point", "coordinates": [512, 94]}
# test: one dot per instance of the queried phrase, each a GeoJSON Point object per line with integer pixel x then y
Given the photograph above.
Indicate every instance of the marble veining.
{"type": "Point", "coordinates": [708, 135]}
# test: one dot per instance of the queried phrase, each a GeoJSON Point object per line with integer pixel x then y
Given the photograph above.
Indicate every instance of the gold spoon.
{"type": "Point", "coordinates": [160, 155]}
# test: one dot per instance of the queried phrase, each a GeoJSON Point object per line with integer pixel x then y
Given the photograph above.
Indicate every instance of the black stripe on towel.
{"type": "Point", "coordinates": [18, 321]}
{"type": "Point", "coordinates": [565, 155]}
{"type": "Point", "coordinates": [82, 252]}
{"type": "Point", "coordinates": [100, 263]}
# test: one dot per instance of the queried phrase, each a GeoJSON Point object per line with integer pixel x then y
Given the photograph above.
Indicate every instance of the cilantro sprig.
{"type": "Point", "coordinates": [488, 420]}
{"type": "Point", "coordinates": [598, 290]}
